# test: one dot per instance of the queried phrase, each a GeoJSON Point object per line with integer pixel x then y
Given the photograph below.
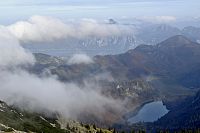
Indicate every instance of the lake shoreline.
{"type": "Point", "coordinates": [148, 112]}
{"type": "Point", "coordinates": [137, 109]}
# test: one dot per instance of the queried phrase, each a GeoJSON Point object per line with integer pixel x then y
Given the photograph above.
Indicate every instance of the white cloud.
{"type": "Point", "coordinates": [29, 92]}
{"type": "Point", "coordinates": [80, 59]}
{"type": "Point", "coordinates": [11, 53]}
{"type": "Point", "coordinates": [44, 94]}
{"type": "Point", "coordinates": [41, 28]}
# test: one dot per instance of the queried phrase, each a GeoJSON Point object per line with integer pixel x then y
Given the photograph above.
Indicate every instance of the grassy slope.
{"type": "Point", "coordinates": [12, 119]}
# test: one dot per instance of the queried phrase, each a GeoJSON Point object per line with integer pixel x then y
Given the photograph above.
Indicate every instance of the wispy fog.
{"type": "Point", "coordinates": [80, 59]}
{"type": "Point", "coordinates": [45, 94]}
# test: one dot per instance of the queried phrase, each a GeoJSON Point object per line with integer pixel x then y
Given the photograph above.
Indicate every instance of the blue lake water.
{"type": "Point", "coordinates": [149, 112]}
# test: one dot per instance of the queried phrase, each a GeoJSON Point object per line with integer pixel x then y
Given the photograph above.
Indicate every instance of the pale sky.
{"type": "Point", "coordinates": [15, 10]}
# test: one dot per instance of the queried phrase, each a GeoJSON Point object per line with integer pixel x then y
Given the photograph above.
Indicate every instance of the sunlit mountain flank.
{"type": "Point", "coordinates": [100, 66]}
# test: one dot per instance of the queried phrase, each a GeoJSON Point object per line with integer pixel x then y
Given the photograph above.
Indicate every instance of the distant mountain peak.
{"type": "Point", "coordinates": [178, 40]}
{"type": "Point", "coordinates": [112, 21]}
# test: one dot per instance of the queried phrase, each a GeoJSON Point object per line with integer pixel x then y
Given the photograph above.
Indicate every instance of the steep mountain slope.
{"type": "Point", "coordinates": [16, 120]}
{"type": "Point", "coordinates": [185, 115]}
{"type": "Point", "coordinates": [12, 119]}
{"type": "Point", "coordinates": [170, 59]}
{"type": "Point", "coordinates": [192, 33]}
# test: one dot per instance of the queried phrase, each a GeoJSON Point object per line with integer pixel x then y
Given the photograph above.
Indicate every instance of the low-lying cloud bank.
{"type": "Point", "coordinates": [48, 29]}
{"type": "Point", "coordinates": [31, 92]}
{"type": "Point", "coordinates": [42, 28]}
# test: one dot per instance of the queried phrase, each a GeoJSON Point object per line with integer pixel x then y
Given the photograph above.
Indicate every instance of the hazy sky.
{"type": "Point", "coordinates": [14, 10]}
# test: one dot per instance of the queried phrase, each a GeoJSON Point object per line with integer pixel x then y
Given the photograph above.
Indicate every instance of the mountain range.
{"type": "Point", "coordinates": [116, 44]}
{"type": "Point", "coordinates": [167, 71]}
{"type": "Point", "coordinates": [167, 67]}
